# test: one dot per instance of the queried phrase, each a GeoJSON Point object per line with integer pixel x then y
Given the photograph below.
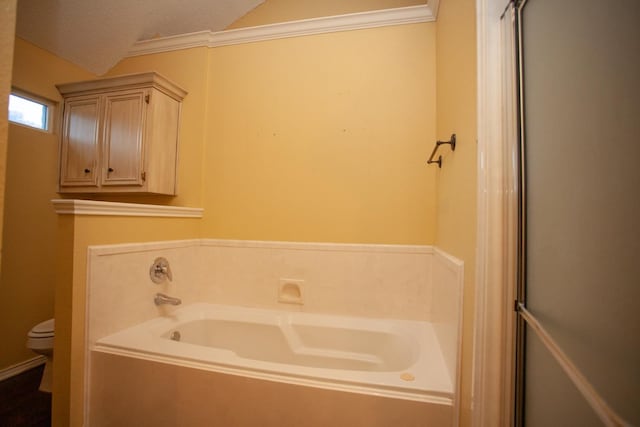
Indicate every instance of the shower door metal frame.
{"type": "Point", "coordinates": [520, 326]}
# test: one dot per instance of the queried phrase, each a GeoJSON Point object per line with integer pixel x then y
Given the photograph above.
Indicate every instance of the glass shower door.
{"type": "Point", "coordinates": [580, 231]}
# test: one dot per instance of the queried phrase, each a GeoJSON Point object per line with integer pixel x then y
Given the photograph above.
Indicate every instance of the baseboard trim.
{"type": "Point", "coordinates": [21, 367]}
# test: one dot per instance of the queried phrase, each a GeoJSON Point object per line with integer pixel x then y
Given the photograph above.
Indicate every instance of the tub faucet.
{"type": "Point", "coordinates": [166, 299]}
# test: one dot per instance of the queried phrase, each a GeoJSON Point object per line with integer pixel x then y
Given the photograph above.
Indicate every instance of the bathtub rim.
{"type": "Point", "coordinates": [268, 370]}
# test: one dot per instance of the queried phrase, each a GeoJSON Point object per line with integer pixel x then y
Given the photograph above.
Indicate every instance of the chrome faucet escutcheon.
{"type": "Point", "coordinates": [160, 271]}
{"type": "Point", "coordinates": [161, 299]}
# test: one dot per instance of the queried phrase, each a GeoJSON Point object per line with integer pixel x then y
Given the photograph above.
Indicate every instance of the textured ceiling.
{"type": "Point", "coordinates": [96, 34]}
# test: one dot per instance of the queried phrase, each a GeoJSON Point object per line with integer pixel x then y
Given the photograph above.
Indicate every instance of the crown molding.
{"type": "Point", "coordinates": [305, 27]}
{"type": "Point", "coordinates": [170, 43]}
{"type": "Point", "coordinates": [94, 207]}
{"type": "Point", "coordinates": [433, 6]}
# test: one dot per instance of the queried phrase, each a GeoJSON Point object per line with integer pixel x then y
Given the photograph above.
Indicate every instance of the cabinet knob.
{"type": "Point", "coordinates": [87, 170]}
{"type": "Point", "coordinates": [110, 169]}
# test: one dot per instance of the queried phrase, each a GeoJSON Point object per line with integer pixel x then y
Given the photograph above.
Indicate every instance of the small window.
{"type": "Point", "coordinates": [29, 111]}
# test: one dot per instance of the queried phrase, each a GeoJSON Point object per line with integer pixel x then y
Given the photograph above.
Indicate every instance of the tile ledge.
{"type": "Point", "coordinates": [320, 246]}
{"type": "Point", "coordinates": [99, 208]}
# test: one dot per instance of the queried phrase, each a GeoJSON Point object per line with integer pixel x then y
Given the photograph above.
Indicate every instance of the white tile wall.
{"type": "Point", "coordinates": [120, 292]}
{"type": "Point", "coordinates": [361, 280]}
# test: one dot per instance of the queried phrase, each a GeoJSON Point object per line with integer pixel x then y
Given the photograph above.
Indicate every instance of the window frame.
{"type": "Point", "coordinates": [50, 110]}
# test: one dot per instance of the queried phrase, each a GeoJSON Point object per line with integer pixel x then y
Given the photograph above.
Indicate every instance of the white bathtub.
{"type": "Point", "coordinates": [390, 358]}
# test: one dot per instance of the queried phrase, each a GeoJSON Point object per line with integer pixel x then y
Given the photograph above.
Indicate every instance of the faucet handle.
{"type": "Point", "coordinates": [164, 269]}
{"type": "Point", "coordinates": [160, 271]}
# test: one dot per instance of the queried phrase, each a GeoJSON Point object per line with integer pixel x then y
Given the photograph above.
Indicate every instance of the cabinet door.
{"type": "Point", "coordinates": [79, 149]}
{"type": "Point", "coordinates": [125, 113]}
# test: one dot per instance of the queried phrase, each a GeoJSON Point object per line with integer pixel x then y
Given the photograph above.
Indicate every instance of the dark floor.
{"type": "Point", "coordinates": [21, 404]}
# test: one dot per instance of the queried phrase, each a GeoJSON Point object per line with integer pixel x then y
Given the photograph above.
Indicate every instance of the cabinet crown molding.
{"type": "Point", "coordinates": [126, 81]}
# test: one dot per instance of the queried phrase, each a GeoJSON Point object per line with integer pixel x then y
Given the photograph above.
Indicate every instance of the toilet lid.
{"type": "Point", "coordinates": [44, 328]}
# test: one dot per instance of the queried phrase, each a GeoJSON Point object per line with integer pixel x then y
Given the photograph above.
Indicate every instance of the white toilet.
{"type": "Point", "coordinates": [40, 340]}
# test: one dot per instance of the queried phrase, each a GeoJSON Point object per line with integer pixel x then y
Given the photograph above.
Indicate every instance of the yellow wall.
{"type": "Point", "coordinates": [319, 138]}
{"type": "Point", "coordinates": [7, 26]}
{"type": "Point", "coordinates": [274, 11]}
{"type": "Point", "coordinates": [456, 112]}
{"type": "Point", "coordinates": [28, 265]}
{"type": "Point", "coordinates": [323, 138]}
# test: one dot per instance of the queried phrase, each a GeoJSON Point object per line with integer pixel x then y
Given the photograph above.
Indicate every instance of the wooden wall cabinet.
{"type": "Point", "coordinates": [120, 135]}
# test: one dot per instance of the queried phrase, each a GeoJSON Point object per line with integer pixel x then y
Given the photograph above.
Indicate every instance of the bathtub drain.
{"type": "Point", "coordinates": [406, 376]}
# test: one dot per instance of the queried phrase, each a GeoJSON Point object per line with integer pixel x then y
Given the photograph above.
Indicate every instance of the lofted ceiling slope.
{"type": "Point", "coordinates": [96, 34]}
